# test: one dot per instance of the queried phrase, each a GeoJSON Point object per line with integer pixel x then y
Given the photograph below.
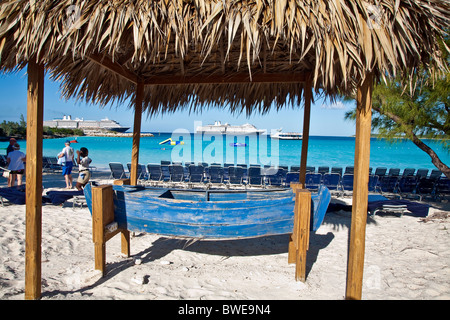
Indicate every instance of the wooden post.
{"type": "Point", "coordinates": [301, 231]}
{"type": "Point", "coordinates": [292, 251]}
{"type": "Point", "coordinates": [305, 137]}
{"type": "Point", "coordinates": [102, 216]}
{"type": "Point", "coordinates": [136, 133]}
{"type": "Point", "coordinates": [355, 264]}
{"type": "Point", "coordinates": [33, 232]}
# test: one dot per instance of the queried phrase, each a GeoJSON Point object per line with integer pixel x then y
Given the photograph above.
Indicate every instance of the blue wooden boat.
{"type": "Point", "coordinates": [210, 214]}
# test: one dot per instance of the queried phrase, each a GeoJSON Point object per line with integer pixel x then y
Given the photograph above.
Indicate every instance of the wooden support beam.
{"type": "Point", "coordinates": [33, 232]}
{"type": "Point", "coordinates": [102, 216]}
{"type": "Point", "coordinates": [302, 214]}
{"type": "Point", "coordinates": [224, 79]}
{"type": "Point", "coordinates": [113, 66]}
{"type": "Point", "coordinates": [136, 133]}
{"type": "Point", "coordinates": [355, 264]}
{"type": "Point", "coordinates": [305, 137]}
{"type": "Point", "coordinates": [292, 251]}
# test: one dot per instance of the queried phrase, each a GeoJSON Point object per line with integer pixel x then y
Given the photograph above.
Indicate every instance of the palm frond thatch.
{"type": "Point", "coordinates": [335, 42]}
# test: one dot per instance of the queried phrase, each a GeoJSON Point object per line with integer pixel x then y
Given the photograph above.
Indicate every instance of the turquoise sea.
{"type": "Point", "coordinates": [322, 151]}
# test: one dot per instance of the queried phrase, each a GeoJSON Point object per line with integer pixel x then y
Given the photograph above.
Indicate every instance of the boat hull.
{"type": "Point", "coordinates": [209, 215]}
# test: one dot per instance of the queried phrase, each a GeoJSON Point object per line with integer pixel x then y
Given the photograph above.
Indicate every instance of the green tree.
{"type": "Point", "coordinates": [416, 113]}
{"type": "Point", "coordinates": [418, 116]}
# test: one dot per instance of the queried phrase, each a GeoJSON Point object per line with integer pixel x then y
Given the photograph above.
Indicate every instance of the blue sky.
{"type": "Point", "coordinates": [327, 119]}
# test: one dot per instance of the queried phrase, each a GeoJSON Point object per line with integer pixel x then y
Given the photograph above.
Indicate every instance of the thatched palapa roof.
{"type": "Point", "coordinates": [184, 50]}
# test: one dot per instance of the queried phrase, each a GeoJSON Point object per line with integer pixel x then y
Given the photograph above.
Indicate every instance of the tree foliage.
{"type": "Point", "coordinates": [418, 110]}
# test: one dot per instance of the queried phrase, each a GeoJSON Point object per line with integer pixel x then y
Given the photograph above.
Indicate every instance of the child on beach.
{"type": "Point", "coordinates": [83, 168]}
{"type": "Point", "coordinates": [68, 153]}
{"type": "Point", "coordinates": [15, 161]}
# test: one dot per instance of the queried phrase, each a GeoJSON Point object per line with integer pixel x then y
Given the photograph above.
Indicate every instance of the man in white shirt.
{"type": "Point", "coordinates": [68, 153]}
{"type": "Point", "coordinates": [15, 161]}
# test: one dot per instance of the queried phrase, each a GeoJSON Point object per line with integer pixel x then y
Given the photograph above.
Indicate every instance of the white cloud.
{"type": "Point", "coordinates": [335, 105]}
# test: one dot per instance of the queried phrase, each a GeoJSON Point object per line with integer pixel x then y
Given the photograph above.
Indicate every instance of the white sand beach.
{"type": "Point", "coordinates": [406, 258]}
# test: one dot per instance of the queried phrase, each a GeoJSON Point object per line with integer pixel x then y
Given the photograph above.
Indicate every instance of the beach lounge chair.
{"type": "Point", "coordinates": [426, 187]}
{"type": "Point", "coordinates": [435, 174]}
{"type": "Point", "coordinates": [310, 169]}
{"type": "Point", "coordinates": [380, 172]}
{"type": "Point", "coordinates": [394, 172]}
{"type": "Point", "coordinates": [236, 176]}
{"type": "Point", "coordinates": [388, 184]}
{"type": "Point", "coordinates": [322, 170]}
{"type": "Point", "coordinates": [398, 206]}
{"type": "Point", "coordinates": [337, 170]}
{"type": "Point", "coordinates": [216, 174]}
{"type": "Point", "coordinates": [408, 172]}
{"type": "Point", "coordinates": [277, 178]}
{"type": "Point", "coordinates": [141, 172]}
{"type": "Point", "coordinates": [421, 173]}
{"type": "Point", "coordinates": [254, 176]}
{"type": "Point", "coordinates": [407, 186]}
{"type": "Point", "coordinates": [313, 180]}
{"type": "Point", "coordinates": [349, 170]}
{"type": "Point", "coordinates": [15, 195]}
{"type": "Point", "coordinates": [225, 170]}
{"type": "Point", "coordinates": [373, 183]}
{"type": "Point", "coordinates": [293, 177]}
{"type": "Point", "coordinates": [154, 173]}
{"type": "Point", "coordinates": [346, 183]}
{"type": "Point", "coordinates": [332, 181]}
{"type": "Point", "coordinates": [295, 169]}
{"type": "Point", "coordinates": [117, 170]}
{"type": "Point", "coordinates": [165, 169]}
{"type": "Point", "coordinates": [442, 188]}
{"type": "Point", "coordinates": [196, 174]}
{"type": "Point", "coordinates": [176, 172]}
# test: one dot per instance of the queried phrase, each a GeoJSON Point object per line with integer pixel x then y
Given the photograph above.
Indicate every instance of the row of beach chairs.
{"type": "Point", "coordinates": [409, 183]}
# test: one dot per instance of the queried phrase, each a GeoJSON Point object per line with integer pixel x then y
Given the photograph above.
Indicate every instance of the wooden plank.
{"type": "Point", "coordinates": [121, 182]}
{"type": "Point", "coordinates": [113, 66]}
{"type": "Point", "coordinates": [136, 133]}
{"type": "Point", "coordinates": [102, 214]}
{"type": "Point", "coordinates": [355, 264]}
{"type": "Point", "coordinates": [303, 211]}
{"type": "Point", "coordinates": [305, 137]}
{"type": "Point", "coordinates": [223, 79]}
{"type": "Point", "coordinates": [125, 242]}
{"type": "Point", "coordinates": [33, 233]}
{"type": "Point", "coordinates": [292, 250]}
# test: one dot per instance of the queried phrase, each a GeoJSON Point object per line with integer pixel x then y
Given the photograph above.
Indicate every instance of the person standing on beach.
{"type": "Point", "coordinates": [83, 168]}
{"type": "Point", "coordinates": [15, 160]}
{"type": "Point", "coordinates": [10, 147]}
{"type": "Point", "coordinates": [68, 153]}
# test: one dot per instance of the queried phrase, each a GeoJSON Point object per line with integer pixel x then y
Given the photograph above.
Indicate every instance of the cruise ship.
{"type": "Point", "coordinates": [286, 135]}
{"type": "Point", "coordinates": [219, 128]}
{"type": "Point", "coordinates": [69, 123]}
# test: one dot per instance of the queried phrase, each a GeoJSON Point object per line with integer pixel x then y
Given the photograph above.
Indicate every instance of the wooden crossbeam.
{"type": "Point", "coordinates": [243, 78]}
{"type": "Point", "coordinates": [113, 66]}
{"type": "Point", "coordinates": [223, 79]}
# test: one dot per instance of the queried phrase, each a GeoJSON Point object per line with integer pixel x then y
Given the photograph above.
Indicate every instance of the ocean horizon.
{"type": "Point", "coordinates": [332, 151]}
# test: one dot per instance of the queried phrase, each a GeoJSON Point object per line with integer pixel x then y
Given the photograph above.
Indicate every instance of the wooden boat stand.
{"type": "Point", "coordinates": [299, 239]}
{"type": "Point", "coordinates": [104, 227]}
